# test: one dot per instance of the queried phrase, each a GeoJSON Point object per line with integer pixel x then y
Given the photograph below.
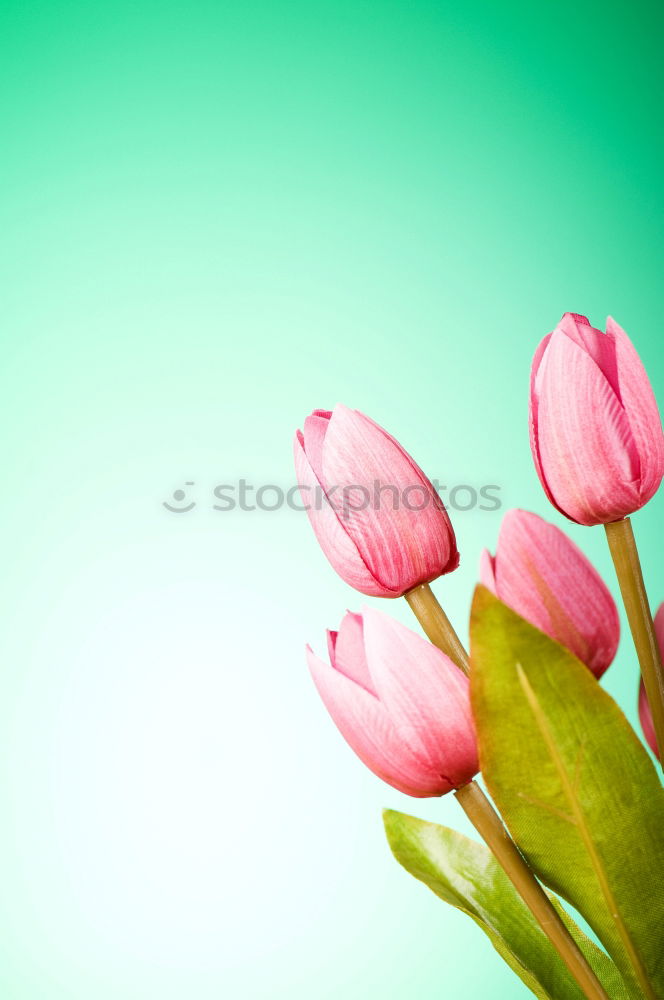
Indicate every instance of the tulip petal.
{"type": "Point", "coordinates": [387, 505]}
{"type": "Point", "coordinates": [349, 656]}
{"type": "Point", "coordinates": [368, 730]}
{"type": "Point", "coordinates": [426, 695]}
{"type": "Point", "coordinates": [595, 344]}
{"type": "Point", "coordinates": [645, 715]}
{"type": "Point", "coordinates": [334, 541]}
{"type": "Point", "coordinates": [331, 644]}
{"type": "Point", "coordinates": [659, 628]}
{"type": "Point", "coordinates": [488, 571]}
{"type": "Point", "coordinates": [641, 410]}
{"type": "Point", "coordinates": [315, 428]}
{"type": "Point", "coordinates": [584, 439]}
{"type": "Point", "coordinates": [533, 416]}
{"type": "Point", "coordinates": [543, 576]}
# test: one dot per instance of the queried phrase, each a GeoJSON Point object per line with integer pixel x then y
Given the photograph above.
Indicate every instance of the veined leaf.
{"type": "Point", "coordinates": [466, 875]}
{"type": "Point", "coordinates": [574, 785]}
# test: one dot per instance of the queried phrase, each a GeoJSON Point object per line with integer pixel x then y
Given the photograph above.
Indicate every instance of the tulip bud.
{"type": "Point", "coordinates": [542, 575]}
{"type": "Point", "coordinates": [376, 516]}
{"type": "Point", "coordinates": [595, 431]}
{"type": "Point", "coordinates": [401, 704]}
{"type": "Point", "coordinates": [645, 714]}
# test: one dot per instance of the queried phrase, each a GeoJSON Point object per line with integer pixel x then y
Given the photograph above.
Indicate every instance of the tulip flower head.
{"type": "Point", "coordinates": [595, 430]}
{"type": "Point", "coordinates": [375, 514]}
{"type": "Point", "coordinates": [401, 704]}
{"type": "Point", "coordinates": [542, 575]}
{"type": "Point", "coordinates": [645, 715]}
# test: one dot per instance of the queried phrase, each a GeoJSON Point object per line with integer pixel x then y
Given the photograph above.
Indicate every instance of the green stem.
{"type": "Point", "coordinates": [437, 625]}
{"type": "Point", "coordinates": [628, 569]}
{"type": "Point", "coordinates": [489, 825]}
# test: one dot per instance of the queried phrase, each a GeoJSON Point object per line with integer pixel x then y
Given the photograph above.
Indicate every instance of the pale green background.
{"type": "Point", "coordinates": [215, 217]}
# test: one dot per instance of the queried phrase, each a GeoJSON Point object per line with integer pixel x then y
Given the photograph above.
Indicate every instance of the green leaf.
{"type": "Point", "coordinates": [466, 875]}
{"type": "Point", "coordinates": [574, 785]}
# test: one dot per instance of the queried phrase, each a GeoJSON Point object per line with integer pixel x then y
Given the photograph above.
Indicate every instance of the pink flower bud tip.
{"type": "Point", "coordinates": [595, 430]}
{"type": "Point", "coordinates": [542, 575]}
{"type": "Point", "coordinates": [401, 704]}
{"type": "Point", "coordinates": [375, 514]}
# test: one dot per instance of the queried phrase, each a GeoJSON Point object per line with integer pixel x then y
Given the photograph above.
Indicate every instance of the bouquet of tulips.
{"type": "Point", "coordinates": [576, 807]}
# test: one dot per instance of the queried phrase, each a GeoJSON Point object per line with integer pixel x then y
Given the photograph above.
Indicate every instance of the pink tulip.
{"type": "Point", "coordinates": [376, 516]}
{"type": "Point", "coordinates": [645, 714]}
{"type": "Point", "coordinates": [401, 704]}
{"type": "Point", "coordinates": [595, 431]}
{"type": "Point", "coordinates": [542, 575]}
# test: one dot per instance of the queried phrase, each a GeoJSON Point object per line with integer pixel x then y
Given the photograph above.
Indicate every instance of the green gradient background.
{"type": "Point", "coordinates": [216, 217]}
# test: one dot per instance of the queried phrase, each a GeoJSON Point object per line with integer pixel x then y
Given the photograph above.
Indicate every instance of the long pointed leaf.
{"type": "Point", "coordinates": [574, 785]}
{"type": "Point", "coordinates": [466, 875]}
